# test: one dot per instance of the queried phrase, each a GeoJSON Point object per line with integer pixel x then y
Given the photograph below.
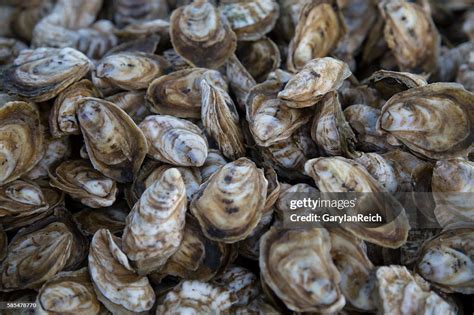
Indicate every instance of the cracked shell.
{"type": "Point", "coordinates": [43, 73]}
{"type": "Point", "coordinates": [116, 284]}
{"type": "Point", "coordinates": [230, 204]}
{"type": "Point", "coordinates": [154, 227]}
{"type": "Point", "coordinates": [434, 121]}
{"type": "Point", "coordinates": [297, 266]}
{"type": "Point", "coordinates": [175, 141]}
{"type": "Point", "coordinates": [201, 36]}
{"type": "Point", "coordinates": [114, 144]}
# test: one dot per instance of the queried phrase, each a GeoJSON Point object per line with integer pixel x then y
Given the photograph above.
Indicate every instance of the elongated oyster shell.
{"type": "Point", "coordinates": [198, 257]}
{"type": "Point", "coordinates": [115, 145]}
{"type": "Point", "coordinates": [90, 220]}
{"type": "Point", "coordinates": [133, 103]}
{"type": "Point", "coordinates": [201, 36]}
{"type": "Point", "coordinates": [196, 297]}
{"type": "Point", "coordinates": [240, 80]}
{"type": "Point", "coordinates": [129, 70]}
{"type": "Point", "coordinates": [154, 227]}
{"type": "Point", "coordinates": [259, 57]}
{"type": "Point", "coordinates": [389, 83]}
{"type": "Point", "coordinates": [81, 181]}
{"type": "Point", "coordinates": [447, 260]}
{"type": "Point", "coordinates": [43, 73]}
{"type": "Point", "coordinates": [21, 139]}
{"type": "Point", "coordinates": [250, 20]}
{"type": "Point", "coordinates": [116, 284]}
{"type": "Point", "coordinates": [220, 118]}
{"type": "Point", "coordinates": [177, 94]}
{"type": "Point", "coordinates": [174, 140]}
{"type": "Point", "coordinates": [272, 120]}
{"type": "Point", "coordinates": [434, 121]}
{"type": "Point", "coordinates": [68, 293]}
{"type": "Point", "coordinates": [62, 118]}
{"type": "Point", "coordinates": [411, 35]}
{"type": "Point", "coordinates": [213, 163]}
{"type": "Point", "coordinates": [319, 29]}
{"type": "Point", "coordinates": [23, 202]}
{"type": "Point", "coordinates": [330, 130]}
{"type": "Point", "coordinates": [241, 282]}
{"type": "Point", "coordinates": [453, 188]}
{"type": "Point", "coordinates": [337, 174]}
{"type": "Point", "coordinates": [230, 204]}
{"type": "Point", "coordinates": [350, 257]}
{"type": "Point", "coordinates": [403, 293]}
{"type": "Point", "coordinates": [317, 78]}
{"type": "Point", "coordinates": [297, 266]}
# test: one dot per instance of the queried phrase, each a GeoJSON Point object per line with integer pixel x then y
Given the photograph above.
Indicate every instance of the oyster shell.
{"type": "Point", "coordinates": [403, 293]}
{"type": "Point", "coordinates": [177, 94]}
{"type": "Point", "coordinates": [433, 121]}
{"type": "Point", "coordinates": [213, 163]}
{"type": "Point", "coordinates": [382, 170]}
{"type": "Point", "coordinates": [240, 282]}
{"type": "Point", "coordinates": [272, 120]}
{"type": "Point", "coordinates": [175, 141]}
{"type": "Point", "coordinates": [43, 73]}
{"type": "Point", "coordinates": [201, 36]}
{"type": "Point", "coordinates": [230, 204]}
{"type": "Point", "coordinates": [411, 35]}
{"type": "Point", "coordinates": [453, 187]}
{"type": "Point", "coordinates": [259, 57]}
{"type": "Point", "coordinates": [126, 11]}
{"type": "Point", "coordinates": [330, 130]}
{"type": "Point", "coordinates": [82, 182]}
{"type": "Point", "coordinates": [297, 266]}
{"type": "Point", "coordinates": [90, 220]}
{"type": "Point", "coordinates": [220, 118]}
{"type": "Point", "coordinates": [389, 83]}
{"type": "Point", "coordinates": [55, 151]}
{"type": "Point", "coordinates": [115, 145]}
{"type": "Point", "coordinates": [350, 257]}
{"type": "Point", "coordinates": [240, 80]}
{"type": "Point", "coordinates": [21, 139]}
{"type": "Point", "coordinates": [129, 70]}
{"type": "Point", "coordinates": [250, 20]}
{"type": "Point", "coordinates": [68, 293]}
{"type": "Point", "coordinates": [338, 174]}
{"type": "Point", "coordinates": [319, 29]}
{"type": "Point", "coordinates": [318, 77]}
{"type": "Point", "coordinates": [131, 102]}
{"type": "Point", "coordinates": [196, 297]}
{"type": "Point", "coordinates": [9, 49]}
{"type": "Point", "coordinates": [250, 246]}
{"type": "Point", "coordinates": [154, 227]}
{"type": "Point", "coordinates": [447, 260]}
{"type": "Point", "coordinates": [197, 258]}
{"type": "Point", "coordinates": [116, 284]}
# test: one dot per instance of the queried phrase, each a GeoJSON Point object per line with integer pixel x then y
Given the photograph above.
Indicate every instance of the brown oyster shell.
{"type": "Point", "coordinates": [201, 36]}
{"type": "Point", "coordinates": [115, 145]}
{"type": "Point", "coordinates": [297, 266]}
{"type": "Point", "coordinates": [241, 282]}
{"type": "Point", "coordinates": [240, 80]}
{"type": "Point", "coordinates": [400, 292]}
{"type": "Point", "coordinates": [90, 220]}
{"type": "Point", "coordinates": [338, 174]}
{"type": "Point", "coordinates": [411, 35]}
{"type": "Point", "coordinates": [198, 257]}
{"type": "Point", "coordinates": [317, 78]}
{"type": "Point", "coordinates": [177, 94]}
{"type": "Point", "coordinates": [446, 260]}
{"type": "Point", "coordinates": [68, 293]}
{"type": "Point", "coordinates": [129, 70]}
{"type": "Point", "coordinates": [21, 139]}
{"type": "Point", "coordinates": [319, 29]}
{"type": "Point", "coordinates": [43, 73]}
{"type": "Point", "coordinates": [175, 141]}
{"type": "Point", "coordinates": [126, 12]}
{"type": "Point", "coordinates": [62, 118]}
{"type": "Point", "coordinates": [434, 121]}
{"type": "Point", "coordinates": [250, 20]}
{"type": "Point", "coordinates": [382, 170]}
{"type": "Point", "coordinates": [213, 163]}
{"type": "Point", "coordinates": [116, 284]}
{"type": "Point", "coordinates": [220, 117]}
{"type": "Point", "coordinates": [82, 182]}
{"type": "Point", "coordinates": [154, 227]}
{"type": "Point", "coordinates": [133, 103]}
{"type": "Point", "coordinates": [230, 204]}
{"type": "Point", "coordinates": [260, 57]}
{"type": "Point", "coordinates": [197, 297]}
{"type": "Point", "coordinates": [55, 151]}
{"type": "Point", "coordinates": [389, 83]}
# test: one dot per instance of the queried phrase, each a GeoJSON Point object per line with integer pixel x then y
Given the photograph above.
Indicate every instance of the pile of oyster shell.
{"type": "Point", "coordinates": [149, 149]}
